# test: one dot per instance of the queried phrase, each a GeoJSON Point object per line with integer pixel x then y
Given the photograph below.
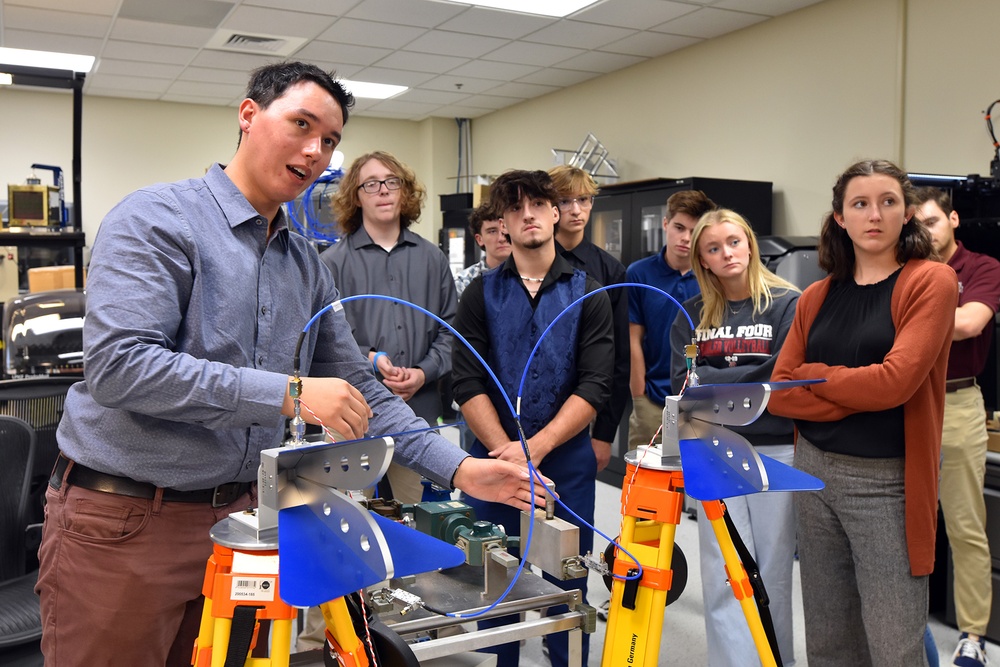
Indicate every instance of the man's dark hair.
{"type": "Point", "coordinates": [692, 202]}
{"type": "Point", "coordinates": [512, 186]}
{"type": "Point", "coordinates": [923, 195]}
{"type": "Point", "coordinates": [479, 215]}
{"type": "Point", "coordinates": [270, 82]}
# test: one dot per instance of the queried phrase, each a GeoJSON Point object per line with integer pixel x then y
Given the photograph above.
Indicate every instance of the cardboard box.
{"type": "Point", "coordinates": [45, 278]}
{"type": "Point", "coordinates": [993, 444]}
{"type": "Point", "coordinates": [480, 193]}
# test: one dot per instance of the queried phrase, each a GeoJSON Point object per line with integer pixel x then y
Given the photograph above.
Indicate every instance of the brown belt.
{"type": "Point", "coordinates": [88, 478]}
{"type": "Point", "coordinates": [960, 383]}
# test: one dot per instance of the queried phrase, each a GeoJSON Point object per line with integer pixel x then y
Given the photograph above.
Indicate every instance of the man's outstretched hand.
{"type": "Point", "coordinates": [499, 482]}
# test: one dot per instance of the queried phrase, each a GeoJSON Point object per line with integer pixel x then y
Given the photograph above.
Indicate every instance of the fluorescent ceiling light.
{"type": "Point", "coordinates": [375, 91]}
{"type": "Point", "coordinates": [6, 79]}
{"type": "Point", "coordinates": [46, 59]}
{"type": "Point", "coordinates": [557, 8]}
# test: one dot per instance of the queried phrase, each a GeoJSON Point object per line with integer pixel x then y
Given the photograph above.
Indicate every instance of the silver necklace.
{"type": "Point", "coordinates": [736, 311]}
{"type": "Point", "coordinates": [532, 280]}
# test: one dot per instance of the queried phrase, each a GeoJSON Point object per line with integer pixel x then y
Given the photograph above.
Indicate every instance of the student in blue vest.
{"type": "Point", "coordinates": [502, 314]}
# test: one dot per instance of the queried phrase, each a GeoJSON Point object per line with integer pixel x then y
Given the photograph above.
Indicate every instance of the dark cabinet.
{"type": "Point", "coordinates": [627, 219]}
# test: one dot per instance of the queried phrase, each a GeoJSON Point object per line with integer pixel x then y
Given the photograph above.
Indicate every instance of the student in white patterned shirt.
{"type": "Point", "coordinates": [491, 240]}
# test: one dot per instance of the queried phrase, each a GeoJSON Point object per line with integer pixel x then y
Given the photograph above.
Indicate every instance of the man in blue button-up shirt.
{"type": "Point", "coordinates": [197, 293]}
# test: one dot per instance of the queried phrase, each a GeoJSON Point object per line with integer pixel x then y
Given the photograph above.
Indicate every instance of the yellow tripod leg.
{"type": "Point", "coordinates": [340, 630]}
{"type": "Point", "coordinates": [651, 507]}
{"type": "Point", "coordinates": [220, 638]}
{"type": "Point", "coordinates": [739, 581]}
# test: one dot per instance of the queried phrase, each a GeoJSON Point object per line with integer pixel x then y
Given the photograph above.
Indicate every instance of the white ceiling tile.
{"type": "Point", "coordinates": [457, 60]}
{"type": "Point", "coordinates": [277, 22]}
{"type": "Point", "coordinates": [459, 111]}
{"type": "Point", "coordinates": [486, 69]}
{"type": "Point", "coordinates": [529, 53]}
{"type": "Point", "coordinates": [101, 7]}
{"type": "Point", "coordinates": [243, 62]}
{"type": "Point", "coordinates": [579, 34]}
{"type": "Point", "coordinates": [492, 102]}
{"type": "Point", "coordinates": [150, 53]}
{"type": "Point", "coordinates": [481, 21]}
{"type": "Point", "coordinates": [650, 44]}
{"type": "Point", "coordinates": [341, 53]}
{"type": "Point", "coordinates": [325, 7]}
{"type": "Point", "coordinates": [421, 62]}
{"type": "Point", "coordinates": [206, 89]}
{"type": "Point", "coordinates": [131, 30]}
{"type": "Point", "coordinates": [208, 75]}
{"type": "Point", "coordinates": [133, 68]}
{"type": "Point", "coordinates": [551, 76]}
{"type": "Point", "coordinates": [638, 14]}
{"type": "Point", "coordinates": [50, 41]}
{"type": "Point", "coordinates": [597, 61]}
{"type": "Point", "coordinates": [768, 7]}
{"type": "Point", "coordinates": [447, 43]}
{"type": "Point", "coordinates": [50, 20]}
{"type": "Point", "coordinates": [709, 22]}
{"type": "Point", "coordinates": [139, 83]}
{"type": "Point", "coordinates": [522, 90]}
{"type": "Point", "coordinates": [396, 105]}
{"type": "Point", "coordinates": [406, 12]}
{"type": "Point", "coordinates": [371, 33]}
{"type": "Point", "coordinates": [466, 84]}
{"type": "Point", "coordinates": [427, 96]}
{"type": "Point", "coordinates": [198, 13]}
{"type": "Point", "coordinates": [395, 77]}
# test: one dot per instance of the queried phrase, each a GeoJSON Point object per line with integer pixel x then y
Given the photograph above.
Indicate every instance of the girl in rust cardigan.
{"type": "Point", "coordinates": [878, 330]}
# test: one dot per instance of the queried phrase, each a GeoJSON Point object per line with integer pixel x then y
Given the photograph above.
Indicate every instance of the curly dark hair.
{"type": "Point", "coordinates": [836, 250]}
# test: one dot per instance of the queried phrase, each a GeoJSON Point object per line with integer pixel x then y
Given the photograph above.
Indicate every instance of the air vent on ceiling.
{"type": "Point", "coordinates": [261, 44]}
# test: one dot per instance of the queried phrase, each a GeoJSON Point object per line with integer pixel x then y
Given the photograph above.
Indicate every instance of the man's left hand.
{"type": "Point", "coordinates": [408, 385]}
{"type": "Point", "coordinates": [499, 482]}
{"type": "Point", "coordinates": [602, 452]}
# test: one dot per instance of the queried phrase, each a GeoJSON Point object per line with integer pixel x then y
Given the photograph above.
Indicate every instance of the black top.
{"type": "Point", "coordinates": [854, 328]}
{"type": "Point", "coordinates": [469, 378]}
{"type": "Point", "coordinates": [605, 269]}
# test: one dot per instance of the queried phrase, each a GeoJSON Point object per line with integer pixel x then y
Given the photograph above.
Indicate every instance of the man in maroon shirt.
{"type": "Point", "coordinates": [963, 446]}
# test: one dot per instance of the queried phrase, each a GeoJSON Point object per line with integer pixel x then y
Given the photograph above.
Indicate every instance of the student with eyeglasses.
{"type": "Point", "coordinates": [576, 189]}
{"type": "Point", "coordinates": [379, 198]}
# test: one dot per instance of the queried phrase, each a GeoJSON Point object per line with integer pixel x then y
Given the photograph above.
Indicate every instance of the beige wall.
{"type": "Point", "coordinates": [793, 101]}
{"type": "Point", "coordinates": [131, 143]}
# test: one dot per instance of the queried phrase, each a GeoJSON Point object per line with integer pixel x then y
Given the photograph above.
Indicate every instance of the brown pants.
{"type": "Point", "coordinates": [120, 578]}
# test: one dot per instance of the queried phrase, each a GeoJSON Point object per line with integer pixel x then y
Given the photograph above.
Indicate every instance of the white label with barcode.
{"type": "Point", "coordinates": [253, 588]}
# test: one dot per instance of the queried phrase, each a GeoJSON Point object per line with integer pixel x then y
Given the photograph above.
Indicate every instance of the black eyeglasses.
{"type": "Point", "coordinates": [372, 187]}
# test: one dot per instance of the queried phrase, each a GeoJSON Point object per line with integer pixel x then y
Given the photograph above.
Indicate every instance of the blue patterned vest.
{"type": "Point", "coordinates": [514, 329]}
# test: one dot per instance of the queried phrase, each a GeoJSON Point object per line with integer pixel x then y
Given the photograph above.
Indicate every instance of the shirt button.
{"type": "Point", "coordinates": [263, 310]}
{"type": "Point", "coordinates": [260, 221]}
{"type": "Point", "coordinates": [260, 361]}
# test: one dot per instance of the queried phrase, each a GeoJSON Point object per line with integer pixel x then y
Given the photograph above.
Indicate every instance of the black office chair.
{"type": "Point", "coordinates": [20, 620]}
{"type": "Point", "coordinates": [38, 401]}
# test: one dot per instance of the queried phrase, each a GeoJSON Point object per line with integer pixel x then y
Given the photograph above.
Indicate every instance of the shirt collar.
{"type": "Point", "coordinates": [559, 267]}
{"type": "Point", "coordinates": [958, 257]}
{"type": "Point", "coordinates": [361, 238]}
{"type": "Point", "coordinates": [236, 207]}
{"type": "Point", "coordinates": [662, 260]}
